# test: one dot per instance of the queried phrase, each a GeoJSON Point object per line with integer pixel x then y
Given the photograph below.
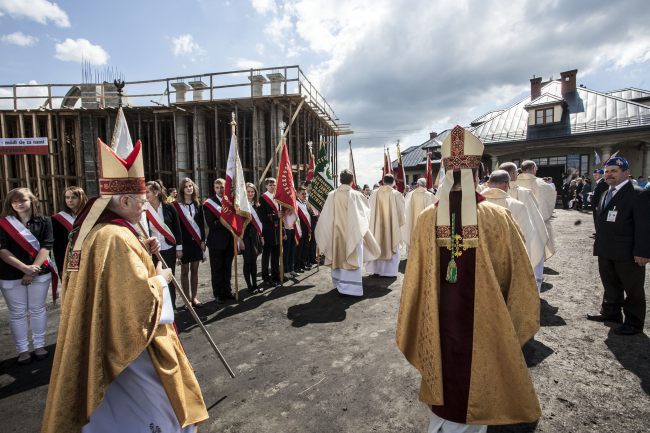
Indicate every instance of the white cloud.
{"type": "Point", "coordinates": [242, 63]}
{"type": "Point", "coordinates": [76, 50]}
{"type": "Point", "coordinates": [6, 104]}
{"type": "Point", "coordinates": [264, 6]}
{"type": "Point", "coordinates": [422, 65]}
{"type": "Point", "coordinates": [20, 39]}
{"type": "Point", "coordinates": [184, 45]}
{"type": "Point", "coordinates": [40, 11]}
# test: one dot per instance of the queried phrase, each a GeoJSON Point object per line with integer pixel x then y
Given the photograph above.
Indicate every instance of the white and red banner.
{"type": "Point", "coordinates": [23, 146]}
{"type": "Point", "coordinates": [400, 176]}
{"type": "Point", "coordinates": [351, 166]}
{"type": "Point", "coordinates": [235, 208]}
{"type": "Point", "coordinates": [285, 193]}
{"type": "Point", "coordinates": [429, 173]}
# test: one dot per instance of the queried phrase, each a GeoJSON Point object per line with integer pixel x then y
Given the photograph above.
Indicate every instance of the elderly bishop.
{"type": "Point", "coordinates": [469, 302]}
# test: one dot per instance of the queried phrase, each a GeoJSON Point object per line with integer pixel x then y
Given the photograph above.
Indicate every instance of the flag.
{"type": "Point", "coordinates": [388, 166]}
{"type": "Point", "coordinates": [351, 166]}
{"type": "Point", "coordinates": [597, 160]}
{"type": "Point", "coordinates": [429, 172]}
{"type": "Point", "coordinates": [400, 177]}
{"type": "Point", "coordinates": [310, 171]}
{"type": "Point", "coordinates": [441, 177]}
{"type": "Point", "coordinates": [323, 183]}
{"type": "Point", "coordinates": [285, 193]}
{"type": "Point", "coordinates": [235, 208]}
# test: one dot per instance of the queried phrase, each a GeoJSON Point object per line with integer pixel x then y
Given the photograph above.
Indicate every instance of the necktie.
{"type": "Point", "coordinates": [608, 197]}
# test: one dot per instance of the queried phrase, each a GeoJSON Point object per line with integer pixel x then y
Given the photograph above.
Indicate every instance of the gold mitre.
{"type": "Point", "coordinates": [461, 151]}
{"type": "Point", "coordinates": [121, 171]}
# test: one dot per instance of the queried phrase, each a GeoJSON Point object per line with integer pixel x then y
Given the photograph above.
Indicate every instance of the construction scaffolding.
{"type": "Point", "coordinates": [183, 122]}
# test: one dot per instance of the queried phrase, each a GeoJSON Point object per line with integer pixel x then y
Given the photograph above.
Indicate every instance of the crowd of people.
{"type": "Point", "coordinates": [471, 248]}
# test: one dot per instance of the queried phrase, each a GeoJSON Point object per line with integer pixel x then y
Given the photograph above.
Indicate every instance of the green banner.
{"type": "Point", "coordinates": [322, 184]}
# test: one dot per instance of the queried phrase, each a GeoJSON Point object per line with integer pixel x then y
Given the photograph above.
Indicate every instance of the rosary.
{"type": "Point", "coordinates": [456, 248]}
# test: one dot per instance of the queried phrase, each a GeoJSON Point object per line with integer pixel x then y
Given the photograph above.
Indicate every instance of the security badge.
{"type": "Point", "coordinates": [611, 215]}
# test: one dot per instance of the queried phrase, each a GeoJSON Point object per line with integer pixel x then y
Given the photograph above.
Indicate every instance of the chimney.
{"type": "Point", "coordinates": [432, 135]}
{"type": "Point", "coordinates": [197, 86]}
{"type": "Point", "coordinates": [535, 87]}
{"type": "Point", "coordinates": [180, 89]}
{"type": "Point", "coordinates": [568, 80]}
{"type": "Point", "coordinates": [276, 80]}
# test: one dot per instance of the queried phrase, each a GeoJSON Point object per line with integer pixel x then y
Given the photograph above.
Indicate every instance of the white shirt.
{"type": "Point", "coordinates": [613, 191]}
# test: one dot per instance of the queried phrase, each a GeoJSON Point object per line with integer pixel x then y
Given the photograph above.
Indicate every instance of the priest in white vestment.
{"type": "Point", "coordinates": [387, 217]}
{"type": "Point", "coordinates": [416, 201]}
{"type": "Point", "coordinates": [344, 237]}
{"type": "Point", "coordinates": [535, 237]}
{"type": "Point", "coordinates": [545, 195]}
{"type": "Point", "coordinates": [526, 196]}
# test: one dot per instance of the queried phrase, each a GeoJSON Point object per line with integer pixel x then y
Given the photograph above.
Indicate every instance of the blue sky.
{"type": "Point", "coordinates": [394, 69]}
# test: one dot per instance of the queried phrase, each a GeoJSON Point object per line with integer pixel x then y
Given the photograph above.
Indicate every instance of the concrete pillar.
{"type": "Point", "coordinates": [111, 98]}
{"type": "Point", "coordinates": [645, 170]}
{"type": "Point", "coordinates": [198, 86]}
{"type": "Point", "coordinates": [203, 180]}
{"type": "Point", "coordinates": [88, 140]}
{"type": "Point", "coordinates": [183, 160]}
{"type": "Point", "coordinates": [90, 95]}
{"type": "Point", "coordinates": [495, 162]}
{"type": "Point", "coordinates": [257, 84]}
{"type": "Point", "coordinates": [276, 79]}
{"type": "Point", "coordinates": [180, 89]}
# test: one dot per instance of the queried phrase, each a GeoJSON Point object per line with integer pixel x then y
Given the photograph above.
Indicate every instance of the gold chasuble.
{"type": "Point", "coordinates": [387, 216]}
{"type": "Point", "coordinates": [469, 301]}
{"type": "Point", "coordinates": [100, 334]}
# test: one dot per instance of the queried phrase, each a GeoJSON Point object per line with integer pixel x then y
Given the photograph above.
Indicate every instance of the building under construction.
{"type": "Point", "coordinates": [184, 124]}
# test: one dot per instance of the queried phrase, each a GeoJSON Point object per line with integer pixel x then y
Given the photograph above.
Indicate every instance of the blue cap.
{"type": "Point", "coordinates": [599, 171]}
{"type": "Point", "coordinates": [618, 162]}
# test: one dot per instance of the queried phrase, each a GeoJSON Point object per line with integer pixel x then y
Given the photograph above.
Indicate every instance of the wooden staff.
{"type": "Point", "coordinates": [234, 239]}
{"type": "Point", "coordinates": [189, 307]}
{"type": "Point", "coordinates": [281, 257]}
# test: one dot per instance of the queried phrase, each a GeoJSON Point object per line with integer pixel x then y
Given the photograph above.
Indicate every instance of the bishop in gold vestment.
{"type": "Point", "coordinates": [469, 302]}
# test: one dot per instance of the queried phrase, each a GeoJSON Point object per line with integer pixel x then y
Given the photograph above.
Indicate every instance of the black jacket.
{"type": "Point", "coordinates": [172, 221]}
{"type": "Point", "coordinates": [219, 237]}
{"type": "Point", "coordinates": [629, 235]}
{"type": "Point", "coordinates": [600, 187]}
{"type": "Point", "coordinates": [41, 228]}
{"type": "Point", "coordinates": [270, 223]}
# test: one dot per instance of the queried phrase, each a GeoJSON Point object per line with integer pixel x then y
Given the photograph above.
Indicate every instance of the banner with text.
{"type": "Point", "coordinates": [23, 146]}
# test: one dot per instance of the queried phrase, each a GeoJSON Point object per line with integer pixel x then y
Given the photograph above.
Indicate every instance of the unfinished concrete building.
{"type": "Point", "coordinates": [183, 122]}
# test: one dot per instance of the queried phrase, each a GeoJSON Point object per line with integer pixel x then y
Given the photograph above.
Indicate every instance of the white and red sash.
{"type": "Point", "coordinates": [159, 224]}
{"type": "Point", "coordinates": [267, 197]}
{"type": "Point", "coordinates": [65, 219]}
{"type": "Point", "coordinates": [303, 213]}
{"type": "Point", "coordinates": [28, 242]}
{"type": "Point", "coordinates": [188, 222]}
{"type": "Point", "coordinates": [255, 220]}
{"type": "Point", "coordinates": [213, 207]}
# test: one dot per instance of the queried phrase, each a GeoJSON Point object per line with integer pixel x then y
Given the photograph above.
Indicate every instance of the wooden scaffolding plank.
{"type": "Point", "coordinates": [51, 158]}
{"type": "Point", "coordinates": [5, 158]}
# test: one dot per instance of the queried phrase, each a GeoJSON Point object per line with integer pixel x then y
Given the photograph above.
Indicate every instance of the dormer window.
{"type": "Point", "coordinates": [544, 116]}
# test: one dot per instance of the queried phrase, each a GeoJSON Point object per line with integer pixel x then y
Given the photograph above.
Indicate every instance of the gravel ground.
{"type": "Point", "coordinates": [308, 360]}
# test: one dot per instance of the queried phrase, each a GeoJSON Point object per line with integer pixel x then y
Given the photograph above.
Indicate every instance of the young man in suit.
{"type": "Point", "coordinates": [623, 248]}
{"type": "Point", "coordinates": [270, 214]}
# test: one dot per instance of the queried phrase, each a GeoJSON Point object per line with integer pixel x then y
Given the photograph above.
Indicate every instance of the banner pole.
{"type": "Point", "coordinates": [234, 240]}
{"type": "Point", "coordinates": [281, 256]}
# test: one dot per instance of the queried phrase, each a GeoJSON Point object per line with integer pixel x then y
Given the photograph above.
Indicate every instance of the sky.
{"type": "Point", "coordinates": [395, 70]}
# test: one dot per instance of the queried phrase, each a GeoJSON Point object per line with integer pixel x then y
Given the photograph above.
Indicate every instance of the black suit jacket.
{"type": "Point", "coordinates": [629, 235]}
{"type": "Point", "coordinates": [270, 223]}
{"type": "Point", "coordinates": [219, 237]}
{"type": "Point", "coordinates": [170, 216]}
{"type": "Point", "coordinates": [600, 187]}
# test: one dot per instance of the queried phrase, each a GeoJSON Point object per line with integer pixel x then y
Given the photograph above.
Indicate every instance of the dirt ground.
{"type": "Point", "coordinates": [308, 360]}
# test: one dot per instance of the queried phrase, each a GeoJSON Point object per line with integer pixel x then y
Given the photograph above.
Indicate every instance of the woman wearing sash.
{"type": "Point", "coordinates": [165, 226]}
{"type": "Point", "coordinates": [25, 272]}
{"type": "Point", "coordinates": [190, 213]}
{"type": "Point", "coordinates": [74, 200]}
{"type": "Point", "coordinates": [252, 241]}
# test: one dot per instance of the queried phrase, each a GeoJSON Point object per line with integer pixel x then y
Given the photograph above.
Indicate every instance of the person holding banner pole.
{"type": "Point", "coordinates": [26, 239]}
{"type": "Point", "coordinates": [165, 226]}
{"type": "Point", "coordinates": [252, 242]}
{"type": "Point", "coordinates": [270, 215]}
{"type": "Point", "coordinates": [190, 212]}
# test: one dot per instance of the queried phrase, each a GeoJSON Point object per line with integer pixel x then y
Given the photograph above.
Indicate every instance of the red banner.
{"type": "Point", "coordinates": [285, 194]}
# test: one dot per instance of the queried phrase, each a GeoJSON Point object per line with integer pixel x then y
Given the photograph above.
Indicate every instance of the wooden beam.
{"type": "Point", "coordinates": [21, 132]}
{"type": "Point", "coordinates": [37, 159]}
{"type": "Point", "coordinates": [5, 158]}
{"type": "Point", "coordinates": [51, 159]}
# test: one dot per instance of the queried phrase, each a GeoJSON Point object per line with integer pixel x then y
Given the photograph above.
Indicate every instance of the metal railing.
{"type": "Point", "coordinates": [274, 81]}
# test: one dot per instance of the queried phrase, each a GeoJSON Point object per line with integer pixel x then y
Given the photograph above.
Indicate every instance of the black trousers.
{"type": "Point", "coordinates": [302, 252]}
{"type": "Point", "coordinates": [289, 251]}
{"type": "Point", "coordinates": [271, 252]}
{"type": "Point", "coordinates": [169, 256]}
{"type": "Point", "coordinates": [312, 243]}
{"type": "Point", "coordinates": [623, 282]}
{"type": "Point", "coordinates": [250, 269]}
{"type": "Point", "coordinates": [221, 271]}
